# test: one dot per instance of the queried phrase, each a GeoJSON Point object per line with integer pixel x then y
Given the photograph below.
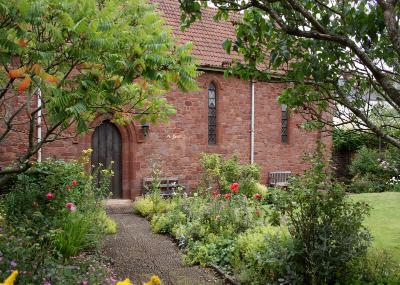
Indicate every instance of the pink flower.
{"type": "Point", "coordinates": [70, 206]}
{"type": "Point", "coordinates": [49, 196]}
{"type": "Point", "coordinates": [257, 196]}
{"type": "Point", "coordinates": [74, 183]}
{"type": "Point", "coordinates": [228, 196]}
{"type": "Point", "coordinates": [68, 187]}
{"type": "Point", "coordinates": [244, 197]}
{"type": "Point", "coordinates": [215, 195]}
{"type": "Point", "coordinates": [235, 187]}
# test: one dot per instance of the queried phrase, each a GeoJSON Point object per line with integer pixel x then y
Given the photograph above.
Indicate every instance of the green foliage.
{"type": "Point", "coordinates": [377, 267]}
{"type": "Point", "coordinates": [373, 172]}
{"type": "Point", "coordinates": [366, 161]}
{"type": "Point", "coordinates": [222, 173]}
{"type": "Point", "coordinates": [42, 230]}
{"type": "Point", "coordinates": [75, 236]}
{"type": "Point", "coordinates": [165, 222]}
{"type": "Point", "coordinates": [262, 255]}
{"type": "Point", "coordinates": [148, 205]}
{"type": "Point", "coordinates": [143, 206]}
{"type": "Point", "coordinates": [88, 57]}
{"type": "Point", "coordinates": [110, 226]}
{"type": "Point", "coordinates": [326, 228]}
{"type": "Point", "coordinates": [344, 139]}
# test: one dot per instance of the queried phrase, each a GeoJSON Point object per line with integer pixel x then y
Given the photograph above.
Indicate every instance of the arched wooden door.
{"type": "Point", "coordinates": [107, 147]}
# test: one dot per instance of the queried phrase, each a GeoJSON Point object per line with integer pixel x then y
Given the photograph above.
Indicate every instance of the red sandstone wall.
{"type": "Point", "coordinates": [177, 145]}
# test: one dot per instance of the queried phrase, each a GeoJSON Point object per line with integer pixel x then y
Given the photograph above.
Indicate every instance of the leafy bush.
{"type": "Point", "coordinates": [326, 227]}
{"type": "Point", "coordinates": [148, 205]}
{"type": "Point", "coordinates": [221, 173]}
{"type": "Point", "coordinates": [109, 226]}
{"type": "Point", "coordinates": [52, 212]}
{"type": "Point", "coordinates": [262, 256]}
{"type": "Point", "coordinates": [165, 222]}
{"type": "Point", "coordinates": [371, 173]}
{"type": "Point", "coordinates": [367, 184]}
{"type": "Point", "coordinates": [377, 267]}
{"type": "Point", "coordinates": [366, 161]}
{"type": "Point", "coordinates": [75, 236]}
{"type": "Point", "coordinates": [144, 206]}
{"type": "Point", "coordinates": [344, 139]}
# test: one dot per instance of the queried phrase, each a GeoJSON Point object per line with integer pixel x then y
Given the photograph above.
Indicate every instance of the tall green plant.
{"type": "Point", "coordinates": [326, 227]}
{"type": "Point", "coordinates": [221, 173]}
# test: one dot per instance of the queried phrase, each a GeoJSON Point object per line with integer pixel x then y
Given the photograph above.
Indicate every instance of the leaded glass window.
{"type": "Point", "coordinates": [212, 114]}
{"type": "Point", "coordinates": [284, 124]}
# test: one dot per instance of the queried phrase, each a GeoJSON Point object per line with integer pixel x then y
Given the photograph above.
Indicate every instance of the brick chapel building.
{"type": "Point", "coordinates": [226, 115]}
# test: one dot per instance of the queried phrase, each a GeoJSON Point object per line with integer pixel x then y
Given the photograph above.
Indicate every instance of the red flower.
{"type": "Point", "coordinates": [228, 196]}
{"type": "Point", "coordinates": [70, 206]}
{"type": "Point", "coordinates": [235, 187]}
{"type": "Point", "coordinates": [257, 196]}
{"type": "Point", "coordinates": [74, 183]}
{"type": "Point", "coordinates": [49, 196]}
{"type": "Point", "coordinates": [68, 187]}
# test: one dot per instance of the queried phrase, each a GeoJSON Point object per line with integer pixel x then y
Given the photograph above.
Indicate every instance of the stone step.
{"type": "Point", "coordinates": [119, 206]}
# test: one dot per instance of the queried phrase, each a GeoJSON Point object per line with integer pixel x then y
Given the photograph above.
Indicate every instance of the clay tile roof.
{"type": "Point", "coordinates": [206, 35]}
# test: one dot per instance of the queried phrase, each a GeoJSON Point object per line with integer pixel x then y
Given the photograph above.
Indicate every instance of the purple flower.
{"type": "Point", "coordinates": [46, 283]}
{"type": "Point", "coordinates": [13, 263]}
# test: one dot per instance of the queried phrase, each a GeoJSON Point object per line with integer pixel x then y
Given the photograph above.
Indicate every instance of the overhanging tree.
{"type": "Point", "coordinates": [87, 57]}
{"type": "Point", "coordinates": [336, 54]}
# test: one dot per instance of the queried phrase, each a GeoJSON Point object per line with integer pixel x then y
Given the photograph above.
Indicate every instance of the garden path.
{"type": "Point", "coordinates": [137, 253]}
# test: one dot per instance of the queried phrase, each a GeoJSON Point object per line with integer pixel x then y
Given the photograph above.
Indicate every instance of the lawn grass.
{"type": "Point", "coordinates": [384, 221]}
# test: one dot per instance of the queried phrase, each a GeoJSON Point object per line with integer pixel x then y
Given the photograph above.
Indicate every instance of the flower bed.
{"type": "Point", "coordinates": [53, 220]}
{"type": "Point", "coordinates": [299, 236]}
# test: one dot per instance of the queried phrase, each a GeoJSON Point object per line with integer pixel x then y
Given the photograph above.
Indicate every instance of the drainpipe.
{"type": "Point", "coordinates": [39, 122]}
{"type": "Point", "coordinates": [252, 124]}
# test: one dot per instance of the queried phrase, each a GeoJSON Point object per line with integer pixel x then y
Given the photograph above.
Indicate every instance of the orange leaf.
{"type": "Point", "coordinates": [22, 43]}
{"type": "Point", "coordinates": [17, 72]}
{"type": "Point", "coordinates": [37, 69]}
{"type": "Point", "coordinates": [50, 78]}
{"type": "Point", "coordinates": [24, 84]}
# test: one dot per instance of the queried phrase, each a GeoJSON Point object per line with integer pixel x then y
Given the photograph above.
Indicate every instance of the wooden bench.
{"type": "Point", "coordinates": [279, 178]}
{"type": "Point", "coordinates": [168, 185]}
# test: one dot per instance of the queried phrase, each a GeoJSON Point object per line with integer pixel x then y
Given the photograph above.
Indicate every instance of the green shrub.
{"type": "Point", "coordinates": [75, 236]}
{"type": "Point", "coordinates": [262, 256]}
{"type": "Point", "coordinates": [144, 206]}
{"type": "Point", "coordinates": [377, 267]}
{"type": "Point", "coordinates": [52, 212]}
{"type": "Point", "coordinates": [371, 173]}
{"type": "Point", "coordinates": [221, 173]}
{"type": "Point", "coordinates": [366, 161]}
{"type": "Point", "coordinates": [109, 226]}
{"type": "Point", "coordinates": [165, 222]}
{"type": "Point", "coordinates": [212, 250]}
{"type": "Point", "coordinates": [151, 204]}
{"type": "Point", "coordinates": [326, 227]}
{"type": "Point", "coordinates": [367, 184]}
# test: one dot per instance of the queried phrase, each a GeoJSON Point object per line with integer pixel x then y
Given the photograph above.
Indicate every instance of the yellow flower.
{"type": "Point", "coordinates": [11, 279]}
{"type": "Point", "coordinates": [125, 282]}
{"type": "Point", "coordinates": [155, 280]}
